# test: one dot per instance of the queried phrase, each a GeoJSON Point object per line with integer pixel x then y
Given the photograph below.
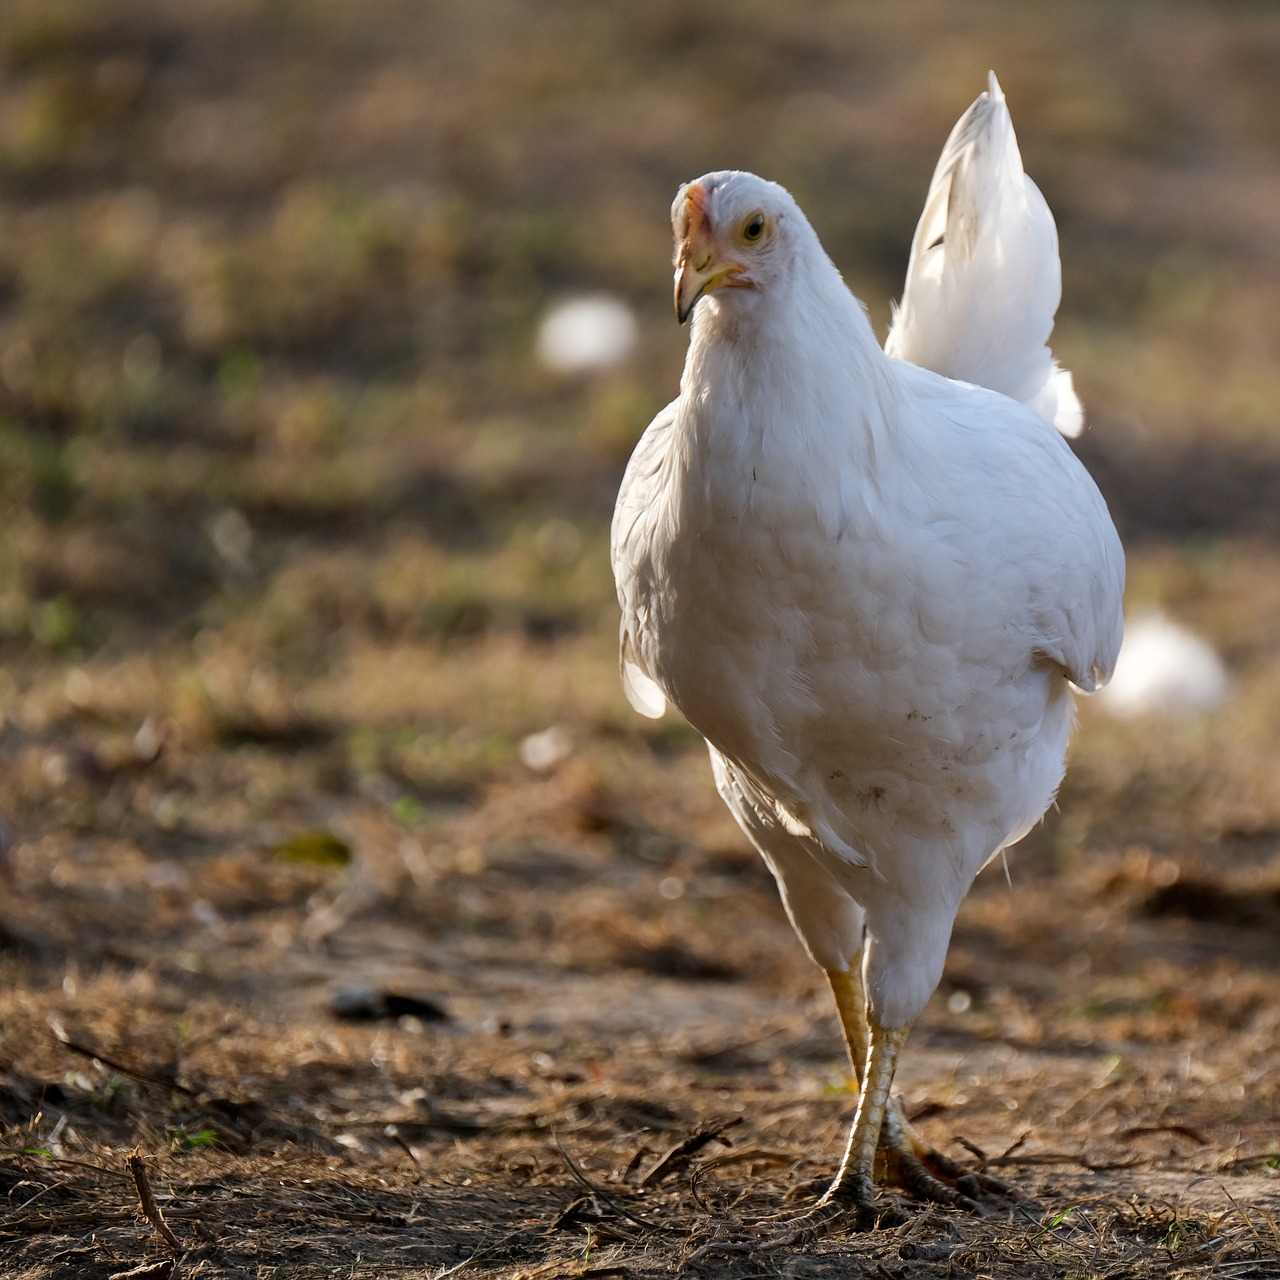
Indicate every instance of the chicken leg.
{"type": "Point", "coordinates": [850, 1199]}
{"type": "Point", "coordinates": [909, 1161]}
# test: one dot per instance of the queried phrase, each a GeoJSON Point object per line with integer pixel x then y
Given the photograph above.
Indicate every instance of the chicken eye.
{"type": "Point", "coordinates": [754, 228]}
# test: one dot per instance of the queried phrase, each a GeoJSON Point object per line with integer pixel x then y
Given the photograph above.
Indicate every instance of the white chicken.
{"type": "Point", "coordinates": [873, 590]}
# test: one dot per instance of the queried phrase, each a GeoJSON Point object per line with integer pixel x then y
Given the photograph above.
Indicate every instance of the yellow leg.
{"type": "Point", "coordinates": [909, 1161]}
{"type": "Point", "coordinates": [852, 1183]}
{"type": "Point", "coordinates": [851, 1005]}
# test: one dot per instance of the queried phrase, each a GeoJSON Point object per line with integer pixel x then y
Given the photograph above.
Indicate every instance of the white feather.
{"type": "Point", "coordinates": [984, 280]}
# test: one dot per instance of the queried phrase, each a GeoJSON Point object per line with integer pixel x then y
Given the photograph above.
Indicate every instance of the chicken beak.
{"type": "Point", "coordinates": [697, 273]}
{"type": "Point", "coordinates": [698, 270]}
{"type": "Point", "coordinates": [691, 284]}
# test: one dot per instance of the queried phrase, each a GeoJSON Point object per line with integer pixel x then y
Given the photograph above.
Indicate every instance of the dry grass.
{"type": "Point", "coordinates": [301, 545]}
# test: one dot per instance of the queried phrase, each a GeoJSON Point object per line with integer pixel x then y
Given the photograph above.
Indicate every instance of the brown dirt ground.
{"type": "Point", "coordinates": [1109, 1043]}
{"type": "Point", "coordinates": [301, 546]}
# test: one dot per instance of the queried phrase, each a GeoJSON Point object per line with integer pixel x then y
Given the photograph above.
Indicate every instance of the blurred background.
{"type": "Point", "coordinates": [273, 276]}
{"type": "Point", "coordinates": [307, 629]}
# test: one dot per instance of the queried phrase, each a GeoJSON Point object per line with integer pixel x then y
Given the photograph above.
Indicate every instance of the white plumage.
{"type": "Point", "coordinates": [871, 588]}
{"type": "Point", "coordinates": [984, 281]}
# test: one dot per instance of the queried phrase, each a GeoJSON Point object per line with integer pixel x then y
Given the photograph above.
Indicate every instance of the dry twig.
{"type": "Point", "coordinates": [147, 1202]}
{"type": "Point", "coordinates": [684, 1151]}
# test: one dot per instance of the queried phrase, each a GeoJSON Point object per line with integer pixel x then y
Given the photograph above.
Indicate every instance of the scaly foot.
{"type": "Point", "coordinates": [851, 1209]}
{"type": "Point", "coordinates": [912, 1164]}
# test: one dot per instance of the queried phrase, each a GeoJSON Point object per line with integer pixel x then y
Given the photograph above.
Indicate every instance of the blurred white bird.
{"type": "Point", "coordinates": [871, 588]}
{"type": "Point", "coordinates": [587, 335]}
{"type": "Point", "coordinates": [1165, 669]}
